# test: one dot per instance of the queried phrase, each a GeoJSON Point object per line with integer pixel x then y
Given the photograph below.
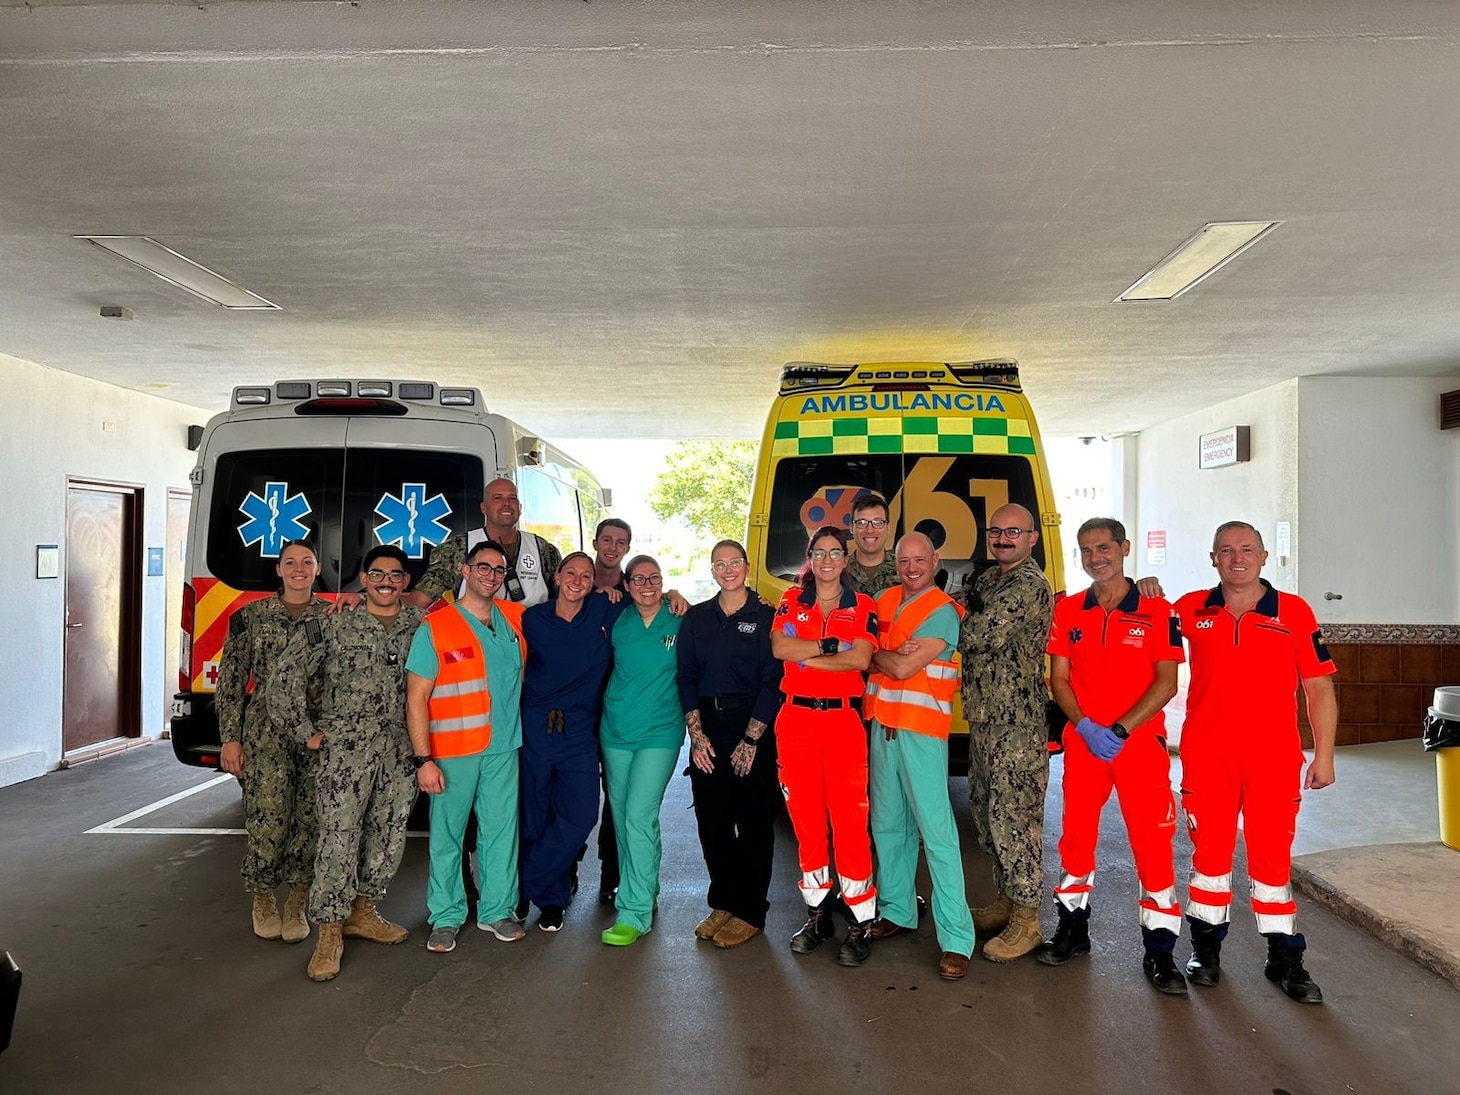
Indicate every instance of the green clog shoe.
{"type": "Point", "coordinates": [621, 935]}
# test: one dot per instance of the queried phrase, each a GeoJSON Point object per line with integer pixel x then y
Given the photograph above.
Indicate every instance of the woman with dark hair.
{"type": "Point", "coordinates": [562, 692]}
{"type": "Point", "coordinates": [729, 690]}
{"type": "Point", "coordinates": [825, 633]}
{"type": "Point", "coordinates": [275, 769]}
{"type": "Point", "coordinates": [641, 734]}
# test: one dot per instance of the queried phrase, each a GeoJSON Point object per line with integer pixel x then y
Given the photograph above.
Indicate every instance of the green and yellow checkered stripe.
{"type": "Point", "coordinates": [855, 436]}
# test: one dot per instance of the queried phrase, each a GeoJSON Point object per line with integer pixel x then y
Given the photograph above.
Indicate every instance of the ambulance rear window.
{"type": "Point", "coordinates": [948, 497]}
{"type": "Point", "coordinates": [261, 500]}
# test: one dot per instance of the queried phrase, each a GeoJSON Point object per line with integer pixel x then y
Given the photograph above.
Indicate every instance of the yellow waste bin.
{"type": "Point", "coordinates": [1442, 737]}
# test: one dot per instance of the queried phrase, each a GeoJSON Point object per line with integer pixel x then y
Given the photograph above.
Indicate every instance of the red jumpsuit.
{"type": "Point", "coordinates": [1113, 659]}
{"type": "Point", "coordinates": [1240, 750]}
{"type": "Point", "coordinates": [822, 753]}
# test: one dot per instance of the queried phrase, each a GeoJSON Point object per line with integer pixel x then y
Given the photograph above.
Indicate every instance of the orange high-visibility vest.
{"type": "Point", "coordinates": [923, 703]}
{"type": "Point", "coordinates": [460, 706]}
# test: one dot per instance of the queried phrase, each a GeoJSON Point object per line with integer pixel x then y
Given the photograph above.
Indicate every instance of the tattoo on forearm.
{"type": "Point", "coordinates": [755, 729]}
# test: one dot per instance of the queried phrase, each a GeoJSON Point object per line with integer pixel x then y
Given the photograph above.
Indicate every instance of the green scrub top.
{"type": "Point", "coordinates": [641, 707]}
{"type": "Point", "coordinates": [502, 650]}
{"type": "Point", "coordinates": [943, 624]}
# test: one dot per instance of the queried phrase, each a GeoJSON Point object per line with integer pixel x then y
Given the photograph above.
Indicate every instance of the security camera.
{"type": "Point", "coordinates": [1087, 440]}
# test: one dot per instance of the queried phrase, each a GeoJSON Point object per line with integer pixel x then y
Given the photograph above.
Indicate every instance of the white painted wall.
{"type": "Point", "coordinates": [51, 427]}
{"type": "Point", "coordinates": [1173, 494]}
{"type": "Point", "coordinates": [1379, 499]}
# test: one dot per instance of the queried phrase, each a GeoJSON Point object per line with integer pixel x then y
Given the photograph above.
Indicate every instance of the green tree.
{"type": "Point", "coordinates": [707, 483]}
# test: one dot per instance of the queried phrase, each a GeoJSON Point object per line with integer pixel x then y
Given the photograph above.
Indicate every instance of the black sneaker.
{"type": "Point", "coordinates": [608, 895]}
{"type": "Point", "coordinates": [551, 919]}
{"type": "Point", "coordinates": [817, 929]}
{"type": "Point", "coordinates": [520, 911]}
{"type": "Point", "coordinates": [1160, 969]}
{"type": "Point", "coordinates": [1285, 966]}
{"type": "Point", "coordinates": [856, 947]}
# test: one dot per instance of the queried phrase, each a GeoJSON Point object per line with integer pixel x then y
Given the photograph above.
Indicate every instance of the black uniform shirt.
{"type": "Point", "coordinates": [729, 656]}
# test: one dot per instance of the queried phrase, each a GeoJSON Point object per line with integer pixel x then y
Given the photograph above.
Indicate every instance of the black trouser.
{"type": "Point", "coordinates": [607, 837]}
{"type": "Point", "coordinates": [736, 815]}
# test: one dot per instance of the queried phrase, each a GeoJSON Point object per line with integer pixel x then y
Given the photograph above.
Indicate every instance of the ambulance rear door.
{"type": "Point", "coordinates": [411, 482]}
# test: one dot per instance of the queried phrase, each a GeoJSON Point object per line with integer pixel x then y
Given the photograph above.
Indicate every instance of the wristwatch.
{"type": "Point", "coordinates": [1119, 731]}
{"type": "Point", "coordinates": [830, 646]}
{"type": "Point", "coordinates": [418, 762]}
{"type": "Point", "coordinates": [749, 740]}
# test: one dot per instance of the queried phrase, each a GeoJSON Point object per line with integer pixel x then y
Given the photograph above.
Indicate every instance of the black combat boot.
{"type": "Point", "coordinates": [1158, 965]}
{"type": "Point", "coordinates": [1285, 966]}
{"type": "Point", "coordinates": [1205, 966]}
{"type": "Point", "coordinates": [857, 946]}
{"type": "Point", "coordinates": [818, 928]}
{"type": "Point", "coordinates": [1072, 937]}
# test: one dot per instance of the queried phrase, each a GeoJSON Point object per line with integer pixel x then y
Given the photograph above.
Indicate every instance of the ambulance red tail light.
{"type": "Point", "coordinates": [185, 644]}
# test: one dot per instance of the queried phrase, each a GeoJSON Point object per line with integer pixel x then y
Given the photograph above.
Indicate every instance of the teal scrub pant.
{"type": "Point", "coordinates": [637, 779]}
{"type": "Point", "coordinates": [486, 782]}
{"type": "Point", "coordinates": [907, 782]}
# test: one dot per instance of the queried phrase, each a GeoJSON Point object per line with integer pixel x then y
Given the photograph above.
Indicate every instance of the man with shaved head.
{"type": "Point", "coordinates": [531, 560]}
{"type": "Point", "coordinates": [914, 678]}
{"type": "Point", "coordinates": [1004, 700]}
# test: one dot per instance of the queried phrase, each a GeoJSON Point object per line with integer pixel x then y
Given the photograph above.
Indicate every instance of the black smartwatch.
{"type": "Point", "coordinates": [749, 740]}
{"type": "Point", "coordinates": [1119, 731]}
{"type": "Point", "coordinates": [418, 762]}
{"type": "Point", "coordinates": [831, 646]}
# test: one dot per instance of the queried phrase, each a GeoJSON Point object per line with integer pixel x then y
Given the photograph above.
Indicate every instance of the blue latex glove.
{"type": "Point", "coordinates": [789, 629]}
{"type": "Point", "coordinates": [845, 646]}
{"type": "Point", "coordinates": [1101, 739]}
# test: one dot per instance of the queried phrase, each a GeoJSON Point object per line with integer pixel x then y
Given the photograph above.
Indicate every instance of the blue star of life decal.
{"type": "Point", "coordinates": [273, 519]}
{"type": "Point", "coordinates": [412, 520]}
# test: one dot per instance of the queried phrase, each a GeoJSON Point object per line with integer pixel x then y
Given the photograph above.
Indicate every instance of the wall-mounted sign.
{"type": "Point", "coordinates": [48, 560]}
{"type": "Point", "coordinates": [1229, 446]}
{"type": "Point", "coordinates": [1156, 547]}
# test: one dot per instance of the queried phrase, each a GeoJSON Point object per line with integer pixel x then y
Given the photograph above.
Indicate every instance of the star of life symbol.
{"type": "Point", "coordinates": [412, 520]}
{"type": "Point", "coordinates": [273, 519]}
{"type": "Point", "coordinates": [1076, 634]}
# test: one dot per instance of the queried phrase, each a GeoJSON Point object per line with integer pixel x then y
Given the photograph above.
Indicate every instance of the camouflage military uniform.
{"type": "Point", "coordinates": [278, 772]}
{"type": "Point", "coordinates": [444, 570]}
{"type": "Point", "coordinates": [366, 785]}
{"type": "Point", "coordinates": [1004, 698]}
{"type": "Point", "coordinates": [872, 582]}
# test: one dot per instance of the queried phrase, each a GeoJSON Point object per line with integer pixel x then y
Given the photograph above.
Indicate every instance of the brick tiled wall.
{"type": "Point", "coordinates": [1384, 689]}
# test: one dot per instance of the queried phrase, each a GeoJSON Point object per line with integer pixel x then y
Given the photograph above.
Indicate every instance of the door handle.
{"type": "Point", "coordinates": [73, 625]}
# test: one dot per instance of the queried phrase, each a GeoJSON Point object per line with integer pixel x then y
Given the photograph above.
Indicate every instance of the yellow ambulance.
{"type": "Point", "coordinates": [946, 444]}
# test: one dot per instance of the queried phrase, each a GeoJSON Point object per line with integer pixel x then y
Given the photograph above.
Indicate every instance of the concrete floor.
{"type": "Point", "coordinates": [142, 976]}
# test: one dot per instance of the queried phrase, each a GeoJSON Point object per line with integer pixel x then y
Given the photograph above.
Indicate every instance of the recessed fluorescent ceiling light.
{"type": "Point", "coordinates": [1213, 246]}
{"type": "Point", "coordinates": [180, 270]}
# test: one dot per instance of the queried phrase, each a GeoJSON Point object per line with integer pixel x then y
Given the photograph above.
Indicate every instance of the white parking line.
{"type": "Point", "coordinates": [114, 826]}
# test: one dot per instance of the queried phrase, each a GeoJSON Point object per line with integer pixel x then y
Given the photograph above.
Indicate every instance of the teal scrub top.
{"type": "Point", "coordinates": [641, 707]}
{"type": "Point", "coordinates": [502, 650]}
{"type": "Point", "coordinates": [942, 624]}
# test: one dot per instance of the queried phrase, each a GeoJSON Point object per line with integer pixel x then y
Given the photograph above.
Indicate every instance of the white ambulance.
{"type": "Point", "coordinates": [346, 465]}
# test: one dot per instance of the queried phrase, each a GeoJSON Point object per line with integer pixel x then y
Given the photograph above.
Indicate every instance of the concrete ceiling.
{"type": "Point", "coordinates": [620, 218]}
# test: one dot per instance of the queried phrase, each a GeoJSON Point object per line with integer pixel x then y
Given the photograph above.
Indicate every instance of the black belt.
{"type": "Point", "coordinates": [834, 703]}
{"type": "Point", "coordinates": [727, 703]}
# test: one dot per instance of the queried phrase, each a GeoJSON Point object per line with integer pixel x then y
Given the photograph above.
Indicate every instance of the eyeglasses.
{"type": "Point", "coordinates": [1011, 533]}
{"type": "Point", "coordinates": [820, 553]}
{"type": "Point", "coordinates": [870, 522]}
{"type": "Point", "coordinates": [642, 580]}
{"type": "Point", "coordinates": [394, 577]}
{"type": "Point", "coordinates": [727, 564]}
{"type": "Point", "coordinates": [484, 570]}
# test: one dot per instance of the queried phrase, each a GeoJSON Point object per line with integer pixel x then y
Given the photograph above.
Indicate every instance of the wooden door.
{"type": "Point", "coordinates": [179, 503]}
{"type": "Point", "coordinates": [103, 584]}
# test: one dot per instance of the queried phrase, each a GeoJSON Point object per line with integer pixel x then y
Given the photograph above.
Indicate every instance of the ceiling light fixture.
{"type": "Point", "coordinates": [1213, 246]}
{"type": "Point", "coordinates": [181, 271]}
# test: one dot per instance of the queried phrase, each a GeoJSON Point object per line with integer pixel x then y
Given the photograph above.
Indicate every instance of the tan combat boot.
{"type": "Point", "coordinates": [1018, 939]}
{"type": "Point", "coordinates": [993, 918]}
{"type": "Point", "coordinates": [367, 923]}
{"type": "Point", "coordinates": [328, 947]}
{"type": "Point", "coordinates": [295, 926]}
{"type": "Point", "coordinates": [266, 923]}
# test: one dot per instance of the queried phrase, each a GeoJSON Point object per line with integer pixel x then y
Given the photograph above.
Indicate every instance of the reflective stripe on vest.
{"type": "Point", "coordinates": [923, 703]}
{"type": "Point", "coordinates": [460, 706]}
